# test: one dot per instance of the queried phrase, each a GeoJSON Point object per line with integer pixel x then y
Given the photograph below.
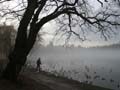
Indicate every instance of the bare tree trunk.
{"type": "Point", "coordinates": [23, 45]}
{"type": "Point", "coordinates": [18, 56]}
{"type": "Point", "coordinates": [13, 68]}
{"type": "Point", "coordinates": [17, 59]}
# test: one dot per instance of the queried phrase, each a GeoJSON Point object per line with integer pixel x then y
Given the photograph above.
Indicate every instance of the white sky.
{"type": "Point", "coordinates": [50, 28]}
{"type": "Point", "coordinates": [94, 40]}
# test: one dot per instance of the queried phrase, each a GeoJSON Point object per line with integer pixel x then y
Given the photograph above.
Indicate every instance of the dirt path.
{"type": "Point", "coordinates": [52, 82]}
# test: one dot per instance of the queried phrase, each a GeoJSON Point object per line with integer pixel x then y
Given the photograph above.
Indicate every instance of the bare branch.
{"type": "Point", "coordinates": [78, 13]}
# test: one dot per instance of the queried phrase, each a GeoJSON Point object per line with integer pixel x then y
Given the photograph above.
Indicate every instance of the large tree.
{"type": "Point", "coordinates": [74, 18]}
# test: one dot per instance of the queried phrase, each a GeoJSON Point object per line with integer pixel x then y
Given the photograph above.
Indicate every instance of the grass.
{"type": "Point", "coordinates": [26, 83]}
{"type": "Point", "coordinates": [89, 75]}
{"type": "Point", "coordinates": [23, 83]}
{"type": "Point", "coordinates": [83, 86]}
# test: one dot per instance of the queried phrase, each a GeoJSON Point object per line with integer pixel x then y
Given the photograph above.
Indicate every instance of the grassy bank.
{"type": "Point", "coordinates": [32, 80]}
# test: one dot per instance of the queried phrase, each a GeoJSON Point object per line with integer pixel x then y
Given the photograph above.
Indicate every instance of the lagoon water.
{"type": "Point", "coordinates": [99, 66]}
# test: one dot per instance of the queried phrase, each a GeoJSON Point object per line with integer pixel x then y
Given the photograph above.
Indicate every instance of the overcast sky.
{"type": "Point", "coordinates": [49, 31]}
{"type": "Point", "coordinates": [93, 39]}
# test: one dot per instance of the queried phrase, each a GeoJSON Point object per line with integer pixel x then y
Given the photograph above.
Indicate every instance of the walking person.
{"type": "Point", "coordinates": [38, 64]}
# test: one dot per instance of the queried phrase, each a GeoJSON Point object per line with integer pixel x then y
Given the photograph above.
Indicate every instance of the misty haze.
{"type": "Point", "coordinates": [75, 62]}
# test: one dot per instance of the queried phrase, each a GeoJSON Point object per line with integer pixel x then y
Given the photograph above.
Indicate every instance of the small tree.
{"type": "Point", "coordinates": [68, 13]}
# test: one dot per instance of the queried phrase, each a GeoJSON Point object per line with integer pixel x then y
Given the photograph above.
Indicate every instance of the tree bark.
{"type": "Point", "coordinates": [14, 67]}
{"type": "Point", "coordinates": [24, 42]}
{"type": "Point", "coordinates": [18, 56]}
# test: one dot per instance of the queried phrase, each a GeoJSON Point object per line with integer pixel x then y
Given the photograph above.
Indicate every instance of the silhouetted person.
{"type": "Point", "coordinates": [38, 64]}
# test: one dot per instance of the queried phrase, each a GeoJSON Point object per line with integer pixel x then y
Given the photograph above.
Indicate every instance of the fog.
{"type": "Point", "coordinates": [75, 63]}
